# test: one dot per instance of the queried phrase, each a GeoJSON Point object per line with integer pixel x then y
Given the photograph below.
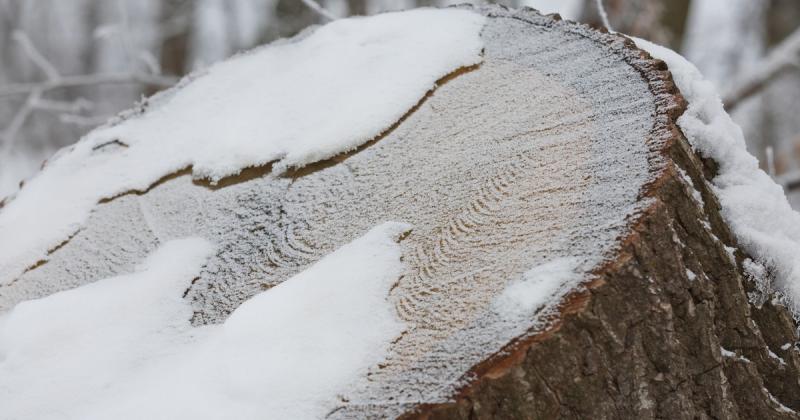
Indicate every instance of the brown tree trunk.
{"type": "Point", "coordinates": [666, 330]}
{"type": "Point", "coordinates": [647, 339]}
{"type": "Point", "coordinates": [561, 145]}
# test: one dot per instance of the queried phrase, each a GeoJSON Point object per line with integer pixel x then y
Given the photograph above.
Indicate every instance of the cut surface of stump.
{"type": "Point", "coordinates": [558, 264]}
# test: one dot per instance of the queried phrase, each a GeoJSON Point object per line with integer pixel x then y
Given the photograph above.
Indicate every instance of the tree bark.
{"type": "Point", "coordinates": [647, 339]}
{"type": "Point", "coordinates": [667, 330]}
{"type": "Point", "coordinates": [561, 145]}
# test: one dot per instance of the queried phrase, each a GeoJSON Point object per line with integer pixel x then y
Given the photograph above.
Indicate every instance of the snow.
{"type": "Point", "coordinates": [291, 103]}
{"type": "Point", "coordinates": [291, 351]}
{"type": "Point", "coordinates": [753, 205]}
{"type": "Point", "coordinates": [352, 103]}
{"type": "Point", "coordinates": [727, 353]}
{"type": "Point", "coordinates": [58, 351]}
{"type": "Point", "coordinates": [123, 347]}
{"type": "Point", "coordinates": [539, 286]}
{"type": "Point", "coordinates": [698, 198]}
{"type": "Point", "coordinates": [466, 168]}
{"type": "Point", "coordinates": [776, 357]}
{"type": "Point", "coordinates": [754, 269]}
{"type": "Point", "coordinates": [782, 408]}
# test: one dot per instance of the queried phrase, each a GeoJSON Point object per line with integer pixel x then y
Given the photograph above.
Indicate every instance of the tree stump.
{"type": "Point", "coordinates": [561, 146]}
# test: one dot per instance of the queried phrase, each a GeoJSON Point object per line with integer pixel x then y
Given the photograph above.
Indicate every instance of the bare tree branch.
{"type": "Point", "coordinates": [88, 80]}
{"type": "Point", "coordinates": [77, 105]}
{"type": "Point", "coordinates": [68, 110]}
{"type": "Point", "coordinates": [35, 56]}
{"type": "Point", "coordinates": [313, 5]}
{"type": "Point", "coordinates": [125, 33]}
{"type": "Point", "coordinates": [9, 134]}
{"type": "Point", "coordinates": [601, 10]}
{"type": "Point", "coordinates": [82, 121]}
{"type": "Point", "coordinates": [150, 61]}
{"type": "Point", "coordinates": [783, 56]}
{"type": "Point", "coordinates": [790, 180]}
{"type": "Point", "coordinates": [770, 152]}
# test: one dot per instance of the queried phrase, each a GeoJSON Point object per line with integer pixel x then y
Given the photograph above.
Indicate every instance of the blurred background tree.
{"type": "Point", "coordinates": [67, 66]}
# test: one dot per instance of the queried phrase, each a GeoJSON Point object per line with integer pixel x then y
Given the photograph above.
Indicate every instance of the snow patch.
{"type": "Point", "coordinates": [698, 198]}
{"type": "Point", "coordinates": [539, 286]}
{"type": "Point", "coordinates": [755, 270]}
{"type": "Point", "coordinates": [731, 251]}
{"type": "Point", "coordinates": [289, 103]}
{"type": "Point", "coordinates": [753, 205]}
{"type": "Point", "coordinates": [124, 348]}
{"type": "Point", "coordinates": [776, 357]}
{"type": "Point", "coordinates": [727, 353]}
{"type": "Point", "coordinates": [782, 408]}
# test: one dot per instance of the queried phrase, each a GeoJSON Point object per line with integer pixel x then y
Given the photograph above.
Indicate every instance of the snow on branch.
{"type": "Point", "coordinates": [313, 5]}
{"type": "Point", "coordinates": [782, 57]}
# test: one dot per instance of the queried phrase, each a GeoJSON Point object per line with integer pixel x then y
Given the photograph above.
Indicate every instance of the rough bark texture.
{"type": "Point", "coordinates": [562, 143]}
{"type": "Point", "coordinates": [645, 341]}
{"type": "Point", "coordinates": [664, 331]}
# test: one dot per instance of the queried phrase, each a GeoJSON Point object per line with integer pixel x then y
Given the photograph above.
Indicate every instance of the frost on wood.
{"type": "Point", "coordinates": [533, 156]}
{"type": "Point", "coordinates": [291, 104]}
{"type": "Point", "coordinates": [279, 355]}
{"type": "Point", "coordinates": [527, 181]}
{"type": "Point", "coordinates": [754, 206]}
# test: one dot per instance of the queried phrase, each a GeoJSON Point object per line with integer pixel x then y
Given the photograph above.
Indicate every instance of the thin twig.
{"type": "Point", "coordinates": [9, 134]}
{"type": "Point", "coordinates": [78, 105]}
{"type": "Point", "coordinates": [88, 80]}
{"type": "Point", "coordinates": [783, 56]}
{"type": "Point", "coordinates": [82, 121]}
{"type": "Point", "coordinates": [125, 33]}
{"type": "Point", "coordinates": [601, 10]}
{"type": "Point", "coordinates": [770, 161]}
{"type": "Point", "coordinates": [68, 111]}
{"type": "Point", "coordinates": [790, 180]}
{"type": "Point", "coordinates": [313, 5]}
{"type": "Point", "coordinates": [35, 55]}
{"type": "Point", "coordinates": [150, 62]}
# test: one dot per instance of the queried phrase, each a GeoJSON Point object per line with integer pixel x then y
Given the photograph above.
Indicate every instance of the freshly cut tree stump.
{"type": "Point", "coordinates": [557, 156]}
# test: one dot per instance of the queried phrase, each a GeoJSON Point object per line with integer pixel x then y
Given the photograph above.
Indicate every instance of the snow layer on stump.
{"type": "Point", "coordinates": [753, 205]}
{"type": "Point", "coordinates": [518, 176]}
{"type": "Point", "coordinates": [124, 348]}
{"type": "Point", "coordinates": [293, 104]}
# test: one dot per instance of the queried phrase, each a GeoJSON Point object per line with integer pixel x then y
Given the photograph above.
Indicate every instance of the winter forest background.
{"type": "Point", "coordinates": [67, 66]}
